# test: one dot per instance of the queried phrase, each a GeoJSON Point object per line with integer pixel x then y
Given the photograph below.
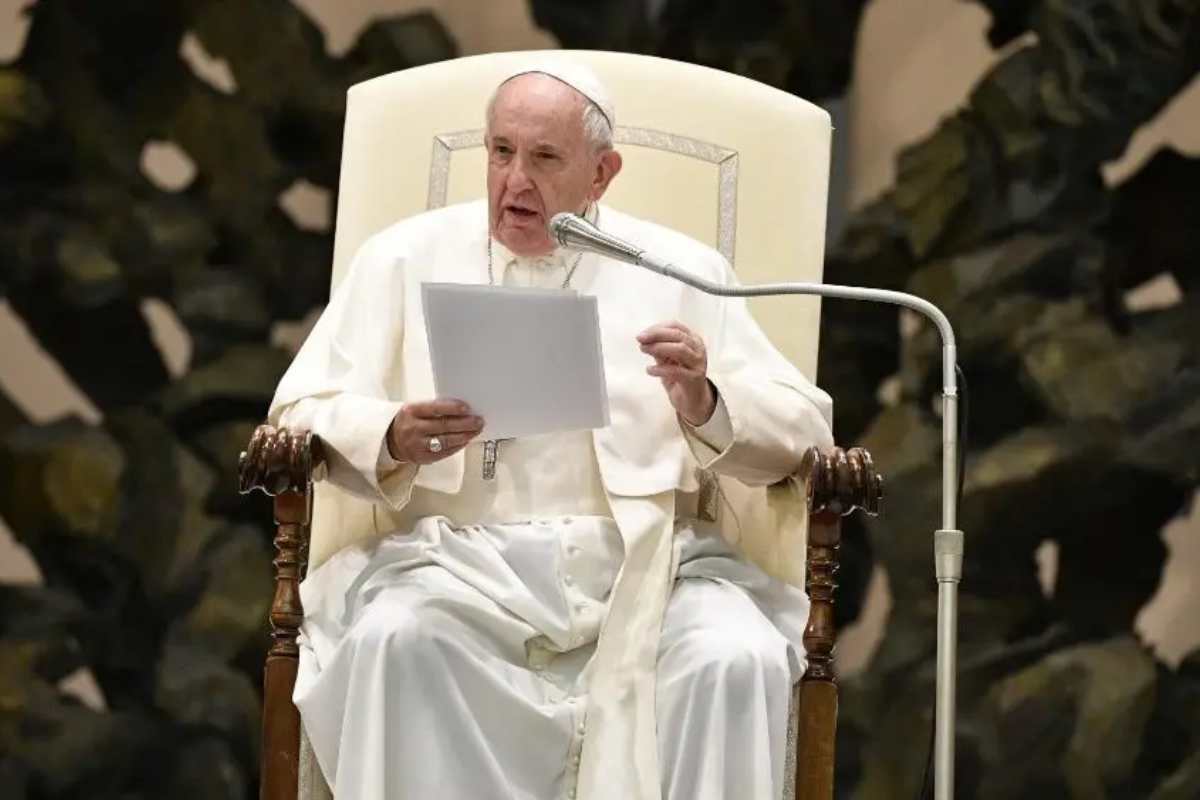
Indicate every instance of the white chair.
{"type": "Point", "coordinates": [732, 162]}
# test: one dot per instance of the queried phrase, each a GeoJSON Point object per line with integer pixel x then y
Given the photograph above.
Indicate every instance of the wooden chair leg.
{"type": "Point", "coordinates": [818, 689]}
{"type": "Point", "coordinates": [280, 777]}
{"type": "Point", "coordinates": [818, 731]}
{"type": "Point", "coordinates": [280, 765]}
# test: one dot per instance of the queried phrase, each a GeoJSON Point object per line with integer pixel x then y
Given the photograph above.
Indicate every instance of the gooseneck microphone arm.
{"type": "Point", "coordinates": [574, 232]}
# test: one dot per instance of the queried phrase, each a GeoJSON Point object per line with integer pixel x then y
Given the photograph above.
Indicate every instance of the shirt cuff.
{"type": "Point", "coordinates": [385, 464]}
{"type": "Point", "coordinates": [395, 477]}
{"type": "Point", "coordinates": [713, 437]}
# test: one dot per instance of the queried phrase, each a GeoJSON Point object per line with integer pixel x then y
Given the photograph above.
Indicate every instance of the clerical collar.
{"type": "Point", "coordinates": [560, 259]}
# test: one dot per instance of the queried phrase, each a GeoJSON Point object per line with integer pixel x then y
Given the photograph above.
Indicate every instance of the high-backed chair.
{"type": "Point", "coordinates": [736, 164]}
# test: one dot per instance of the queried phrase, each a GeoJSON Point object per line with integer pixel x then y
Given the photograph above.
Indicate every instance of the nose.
{"type": "Point", "coordinates": [518, 176]}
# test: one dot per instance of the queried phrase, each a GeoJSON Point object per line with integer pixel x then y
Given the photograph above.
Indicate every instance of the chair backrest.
{"type": "Point", "coordinates": [736, 164]}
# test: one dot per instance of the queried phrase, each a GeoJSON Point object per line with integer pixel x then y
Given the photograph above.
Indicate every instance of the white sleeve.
{"type": "Point", "coordinates": [709, 440]}
{"type": "Point", "coordinates": [342, 386]}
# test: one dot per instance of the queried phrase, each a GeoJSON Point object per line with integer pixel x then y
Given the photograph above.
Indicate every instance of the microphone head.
{"type": "Point", "coordinates": [576, 233]}
{"type": "Point", "coordinates": [559, 224]}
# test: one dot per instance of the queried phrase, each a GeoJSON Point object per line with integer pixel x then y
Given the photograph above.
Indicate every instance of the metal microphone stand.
{"type": "Point", "coordinates": [948, 541]}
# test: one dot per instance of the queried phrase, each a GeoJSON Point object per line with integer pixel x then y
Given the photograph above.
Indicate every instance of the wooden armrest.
{"type": "Point", "coordinates": [278, 460]}
{"type": "Point", "coordinates": [280, 463]}
{"type": "Point", "coordinates": [843, 481]}
{"type": "Point", "coordinates": [840, 481]}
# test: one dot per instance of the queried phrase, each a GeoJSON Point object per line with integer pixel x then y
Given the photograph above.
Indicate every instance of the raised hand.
{"type": "Point", "coordinates": [681, 362]}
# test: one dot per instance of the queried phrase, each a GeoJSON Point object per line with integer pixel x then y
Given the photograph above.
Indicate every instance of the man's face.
{"type": "Point", "coordinates": [540, 162]}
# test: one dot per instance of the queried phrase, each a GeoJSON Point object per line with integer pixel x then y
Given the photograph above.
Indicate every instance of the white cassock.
{"type": "Point", "coordinates": [574, 627]}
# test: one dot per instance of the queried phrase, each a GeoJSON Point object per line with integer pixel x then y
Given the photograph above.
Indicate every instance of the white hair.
{"type": "Point", "coordinates": [596, 127]}
{"type": "Point", "coordinates": [597, 130]}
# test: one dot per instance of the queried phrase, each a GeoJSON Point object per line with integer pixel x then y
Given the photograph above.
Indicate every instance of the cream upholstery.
{"type": "Point", "coordinates": [734, 163]}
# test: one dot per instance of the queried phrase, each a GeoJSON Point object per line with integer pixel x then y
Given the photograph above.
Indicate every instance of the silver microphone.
{"type": "Point", "coordinates": [572, 231]}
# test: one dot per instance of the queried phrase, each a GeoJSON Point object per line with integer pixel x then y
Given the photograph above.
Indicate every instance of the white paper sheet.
{"type": "Point", "coordinates": [527, 360]}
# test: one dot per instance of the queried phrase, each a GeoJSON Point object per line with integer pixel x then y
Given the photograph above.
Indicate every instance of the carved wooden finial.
{"type": "Point", "coordinates": [841, 481]}
{"type": "Point", "coordinates": [844, 480]}
{"type": "Point", "coordinates": [277, 461]}
{"type": "Point", "coordinates": [280, 463]}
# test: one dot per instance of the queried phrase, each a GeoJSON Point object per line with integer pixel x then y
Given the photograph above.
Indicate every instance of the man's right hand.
{"type": "Point", "coordinates": [415, 425]}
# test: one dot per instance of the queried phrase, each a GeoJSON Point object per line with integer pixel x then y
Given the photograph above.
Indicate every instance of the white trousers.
{"type": "Point", "coordinates": [453, 663]}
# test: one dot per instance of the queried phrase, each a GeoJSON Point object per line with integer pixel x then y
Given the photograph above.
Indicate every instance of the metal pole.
{"type": "Point", "coordinates": [947, 556]}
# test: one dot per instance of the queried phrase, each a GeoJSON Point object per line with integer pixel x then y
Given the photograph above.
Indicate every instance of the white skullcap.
{"type": "Point", "coordinates": [579, 77]}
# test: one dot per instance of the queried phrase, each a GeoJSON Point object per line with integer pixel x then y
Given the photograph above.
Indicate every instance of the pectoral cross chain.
{"type": "Point", "coordinates": [489, 457]}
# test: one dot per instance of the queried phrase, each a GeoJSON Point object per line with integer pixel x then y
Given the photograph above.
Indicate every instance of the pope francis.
{"type": "Point", "coordinates": [556, 616]}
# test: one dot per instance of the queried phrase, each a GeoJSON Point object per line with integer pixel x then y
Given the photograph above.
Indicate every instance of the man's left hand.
{"type": "Point", "coordinates": [681, 362]}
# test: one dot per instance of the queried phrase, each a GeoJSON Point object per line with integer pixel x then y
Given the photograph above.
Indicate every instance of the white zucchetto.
{"type": "Point", "coordinates": [578, 76]}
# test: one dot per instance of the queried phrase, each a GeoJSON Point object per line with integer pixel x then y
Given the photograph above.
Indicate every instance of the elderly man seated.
{"type": "Point", "coordinates": [570, 625]}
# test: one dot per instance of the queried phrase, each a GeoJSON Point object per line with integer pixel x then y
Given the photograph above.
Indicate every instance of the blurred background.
{"type": "Point", "coordinates": [168, 175]}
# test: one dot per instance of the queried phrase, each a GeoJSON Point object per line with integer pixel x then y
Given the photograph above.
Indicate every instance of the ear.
{"type": "Point", "coordinates": [607, 167]}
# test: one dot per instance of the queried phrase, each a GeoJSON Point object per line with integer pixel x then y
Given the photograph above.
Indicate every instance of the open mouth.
{"type": "Point", "coordinates": [522, 213]}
